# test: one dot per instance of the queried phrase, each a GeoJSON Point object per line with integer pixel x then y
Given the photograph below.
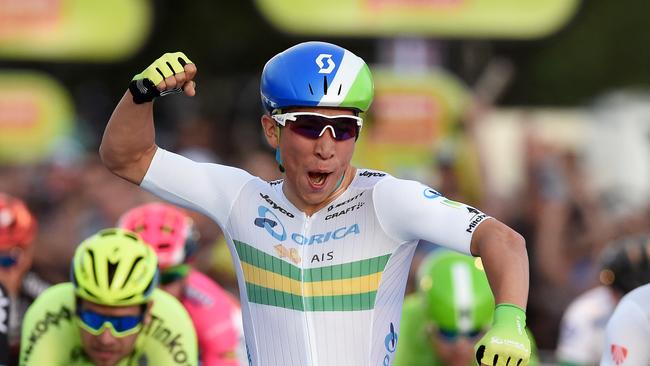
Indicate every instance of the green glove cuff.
{"type": "Point", "coordinates": [510, 314]}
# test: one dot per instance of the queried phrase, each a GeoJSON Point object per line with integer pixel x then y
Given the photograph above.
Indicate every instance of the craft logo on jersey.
{"type": "Point", "coordinates": [619, 354]}
{"type": "Point", "coordinates": [330, 64]}
{"type": "Point", "coordinates": [271, 224]}
{"type": "Point", "coordinates": [390, 343]}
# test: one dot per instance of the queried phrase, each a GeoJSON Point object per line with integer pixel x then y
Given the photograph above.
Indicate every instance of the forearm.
{"type": "Point", "coordinates": [128, 144]}
{"type": "Point", "coordinates": [504, 257]}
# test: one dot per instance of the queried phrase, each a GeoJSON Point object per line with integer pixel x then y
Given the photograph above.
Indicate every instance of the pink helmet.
{"type": "Point", "coordinates": [166, 228]}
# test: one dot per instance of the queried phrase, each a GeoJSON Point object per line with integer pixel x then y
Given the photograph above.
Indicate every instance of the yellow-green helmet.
{"type": "Point", "coordinates": [115, 268]}
{"type": "Point", "coordinates": [456, 291]}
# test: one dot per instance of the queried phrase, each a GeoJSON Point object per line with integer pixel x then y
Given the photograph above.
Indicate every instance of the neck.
{"type": "Point", "coordinates": [342, 185]}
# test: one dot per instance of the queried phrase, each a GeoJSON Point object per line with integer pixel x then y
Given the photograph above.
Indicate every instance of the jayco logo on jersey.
{"type": "Point", "coordinates": [390, 343]}
{"type": "Point", "coordinates": [272, 225]}
{"type": "Point", "coordinates": [275, 205]}
{"type": "Point", "coordinates": [330, 64]}
{"type": "Point", "coordinates": [337, 234]}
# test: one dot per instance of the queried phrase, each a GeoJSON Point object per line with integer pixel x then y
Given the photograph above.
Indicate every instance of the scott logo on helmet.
{"type": "Point", "coordinates": [330, 63]}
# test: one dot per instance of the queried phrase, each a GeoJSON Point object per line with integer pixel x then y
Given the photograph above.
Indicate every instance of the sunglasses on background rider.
{"type": "Point", "coordinates": [313, 125]}
{"type": "Point", "coordinates": [452, 336]}
{"type": "Point", "coordinates": [120, 326]}
{"type": "Point", "coordinates": [173, 274]}
{"type": "Point", "coordinates": [8, 259]}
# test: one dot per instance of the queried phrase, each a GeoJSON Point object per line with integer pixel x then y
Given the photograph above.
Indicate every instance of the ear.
{"type": "Point", "coordinates": [271, 131]}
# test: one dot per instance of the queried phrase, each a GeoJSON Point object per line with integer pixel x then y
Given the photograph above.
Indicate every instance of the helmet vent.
{"type": "Point", "coordinates": [310, 89]}
{"type": "Point", "coordinates": [112, 267]}
{"type": "Point", "coordinates": [324, 84]}
{"type": "Point", "coordinates": [132, 236]}
{"type": "Point", "coordinates": [107, 232]}
{"type": "Point", "coordinates": [92, 258]}
{"type": "Point", "coordinates": [135, 263]}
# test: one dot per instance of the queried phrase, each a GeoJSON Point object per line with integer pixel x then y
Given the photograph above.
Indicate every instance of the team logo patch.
{"type": "Point", "coordinates": [321, 65]}
{"type": "Point", "coordinates": [619, 354]}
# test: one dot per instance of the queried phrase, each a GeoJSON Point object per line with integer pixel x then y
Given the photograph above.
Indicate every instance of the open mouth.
{"type": "Point", "coordinates": [317, 179]}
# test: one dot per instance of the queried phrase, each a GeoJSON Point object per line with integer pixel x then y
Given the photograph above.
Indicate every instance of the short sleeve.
{"type": "Point", "coordinates": [208, 188]}
{"type": "Point", "coordinates": [409, 210]}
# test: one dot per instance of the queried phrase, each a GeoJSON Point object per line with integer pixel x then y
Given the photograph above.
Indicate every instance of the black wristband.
{"type": "Point", "coordinates": [143, 91]}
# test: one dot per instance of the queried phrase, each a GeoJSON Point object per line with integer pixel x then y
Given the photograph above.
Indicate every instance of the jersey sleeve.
{"type": "Point", "coordinates": [208, 188]}
{"type": "Point", "coordinates": [49, 332]}
{"type": "Point", "coordinates": [626, 336]}
{"type": "Point", "coordinates": [409, 210]}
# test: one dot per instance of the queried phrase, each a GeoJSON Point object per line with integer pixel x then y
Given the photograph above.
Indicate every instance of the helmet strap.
{"type": "Point", "coordinates": [338, 184]}
{"type": "Point", "coordinates": [278, 158]}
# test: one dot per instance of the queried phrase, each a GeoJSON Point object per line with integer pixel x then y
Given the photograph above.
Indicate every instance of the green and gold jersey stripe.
{"type": "Point", "coordinates": [346, 286]}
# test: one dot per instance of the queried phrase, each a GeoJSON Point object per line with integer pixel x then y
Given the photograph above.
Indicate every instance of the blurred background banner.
{"type": "Point", "coordinates": [458, 18]}
{"type": "Point", "coordinates": [414, 115]}
{"type": "Point", "coordinates": [73, 29]}
{"type": "Point", "coordinates": [35, 113]}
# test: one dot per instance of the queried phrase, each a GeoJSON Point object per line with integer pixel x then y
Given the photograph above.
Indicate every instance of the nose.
{"type": "Point", "coordinates": [325, 144]}
{"type": "Point", "coordinates": [106, 338]}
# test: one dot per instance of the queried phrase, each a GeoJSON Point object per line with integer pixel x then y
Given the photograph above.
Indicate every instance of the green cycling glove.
{"type": "Point", "coordinates": [506, 343]}
{"type": "Point", "coordinates": [143, 85]}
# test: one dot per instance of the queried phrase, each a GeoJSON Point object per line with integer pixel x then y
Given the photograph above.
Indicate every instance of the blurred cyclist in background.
{"type": "Point", "coordinates": [214, 312]}
{"type": "Point", "coordinates": [628, 331]}
{"type": "Point", "coordinates": [111, 313]}
{"type": "Point", "coordinates": [17, 231]}
{"type": "Point", "coordinates": [449, 313]}
{"type": "Point", "coordinates": [625, 266]}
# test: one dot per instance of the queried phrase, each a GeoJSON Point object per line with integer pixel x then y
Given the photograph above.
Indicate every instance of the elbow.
{"type": "Point", "coordinates": [108, 158]}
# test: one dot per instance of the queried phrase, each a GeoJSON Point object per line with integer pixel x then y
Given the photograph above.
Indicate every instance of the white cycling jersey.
{"type": "Point", "coordinates": [628, 331]}
{"type": "Point", "coordinates": [325, 289]}
{"type": "Point", "coordinates": [582, 331]}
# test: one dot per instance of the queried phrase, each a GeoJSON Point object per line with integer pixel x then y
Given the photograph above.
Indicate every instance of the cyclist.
{"type": "Point", "coordinates": [628, 331]}
{"type": "Point", "coordinates": [323, 255]}
{"type": "Point", "coordinates": [625, 266]}
{"type": "Point", "coordinates": [214, 312]}
{"type": "Point", "coordinates": [111, 313]}
{"type": "Point", "coordinates": [17, 231]}
{"type": "Point", "coordinates": [451, 310]}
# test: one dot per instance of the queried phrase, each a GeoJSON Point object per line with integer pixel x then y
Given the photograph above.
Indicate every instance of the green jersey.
{"type": "Point", "coordinates": [413, 345]}
{"type": "Point", "coordinates": [51, 335]}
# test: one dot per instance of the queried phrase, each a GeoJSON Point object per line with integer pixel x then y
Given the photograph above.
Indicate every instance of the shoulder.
{"type": "Point", "coordinates": [58, 299]}
{"type": "Point", "coordinates": [367, 178]}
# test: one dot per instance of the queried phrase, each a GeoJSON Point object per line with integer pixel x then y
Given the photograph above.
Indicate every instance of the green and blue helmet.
{"type": "Point", "coordinates": [316, 74]}
{"type": "Point", "coordinates": [456, 291]}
